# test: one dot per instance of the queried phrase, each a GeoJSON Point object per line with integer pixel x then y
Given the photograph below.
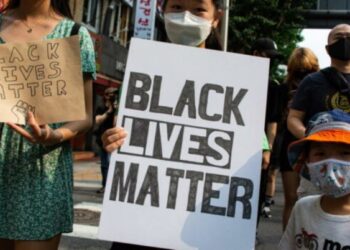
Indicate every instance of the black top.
{"type": "Point", "coordinates": [274, 103]}
{"type": "Point", "coordinates": [317, 94]}
{"type": "Point", "coordinates": [106, 124]}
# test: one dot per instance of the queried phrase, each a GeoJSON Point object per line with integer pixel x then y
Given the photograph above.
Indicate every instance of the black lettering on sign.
{"type": "Point", "coordinates": [2, 92]}
{"type": "Point", "coordinates": [118, 182]}
{"type": "Point", "coordinates": [10, 76]}
{"type": "Point", "coordinates": [55, 67]}
{"type": "Point", "coordinates": [32, 53]}
{"type": "Point", "coordinates": [194, 177]}
{"type": "Point", "coordinates": [204, 100]}
{"type": "Point", "coordinates": [139, 92]}
{"type": "Point", "coordinates": [231, 105]}
{"type": "Point", "coordinates": [149, 187]}
{"type": "Point", "coordinates": [175, 175]}
{"type": "Point", "coordinates": [26, 72]}
{"type": "Point", "coordinates": [176, 142]}
{"type": "Point", "coordinates": [15, 56]}
{"type": "Point", "coordinates": [47, 88]}
{"type": "Point", "coordinates": [33, 87]}
{"type": "Point", "coordinates": [40, 72]}
{"type": "Point", "coordinates": [209, 193]}
{"type": "Point", "coordinates": [16, 87]}
{"type": "Point", "coordinates": [61, 87]}
{"type": "Point", "coordinates": [248, 187]}
{"type": "Point", "coordinates": [52, 51]}
{"type": "Point", "coordinates": [155, 107]}
{"type": "Point", "coordinates": [187, 98]}
{"type": "Point", "coordinates": [139, 97]}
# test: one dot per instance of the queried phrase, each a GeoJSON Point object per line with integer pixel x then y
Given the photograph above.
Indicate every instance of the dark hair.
{"type": "Point", "coordinates": [59, 6]}
{"type": "Point", "coordinates": [217, 3]}
{"type": "Point", "coordinates": [212, 42]}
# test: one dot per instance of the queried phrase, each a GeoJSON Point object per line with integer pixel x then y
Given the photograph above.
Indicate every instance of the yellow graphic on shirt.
{"type": "Point", "coordinates": [338, 101]}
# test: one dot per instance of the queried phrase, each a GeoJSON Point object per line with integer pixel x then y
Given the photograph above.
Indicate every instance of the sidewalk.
{"type": "Point", "coordinates": [88, 205]}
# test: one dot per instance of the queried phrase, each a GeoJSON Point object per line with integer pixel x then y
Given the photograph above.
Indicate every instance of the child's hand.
{"type": "Point", "coordinates": [42, 134]}
{"type": "Point", "coordinates": [113, 138]}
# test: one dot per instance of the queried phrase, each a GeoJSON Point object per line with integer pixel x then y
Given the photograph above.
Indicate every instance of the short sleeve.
{"type": "Point", "coordinates": [301, 100]}
{"type": "Point", "coordinates": [265, 144]}
{"type": "Point", "coordinates": [87, 52]}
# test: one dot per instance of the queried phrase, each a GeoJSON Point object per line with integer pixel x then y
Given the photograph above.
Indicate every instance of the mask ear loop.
{"type": "Point", "coordinates": [213, 41]}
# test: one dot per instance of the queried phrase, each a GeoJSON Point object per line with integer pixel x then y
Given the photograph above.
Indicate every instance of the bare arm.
{"type": "Point", "coordinates": [271, 132]}
{"type": "Point", "coordinates": [99, 119]}
{"type": "Point", "coordinates": [295, 123]}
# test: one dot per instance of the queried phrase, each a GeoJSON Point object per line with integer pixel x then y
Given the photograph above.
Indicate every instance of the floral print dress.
{"type": "Point", "coordinates": [36, 182]}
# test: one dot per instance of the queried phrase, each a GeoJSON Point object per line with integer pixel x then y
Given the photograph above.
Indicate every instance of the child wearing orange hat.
{"type": "Point", "coordinates": [323, 157]}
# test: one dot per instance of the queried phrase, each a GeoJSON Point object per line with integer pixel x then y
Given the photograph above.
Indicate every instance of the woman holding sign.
{"type": "Point", "coordinates": [191, 23]}
{"type": "Point", "coordinates": [36, 204]}
{"type": "Point", "coordinates": [187, 22]}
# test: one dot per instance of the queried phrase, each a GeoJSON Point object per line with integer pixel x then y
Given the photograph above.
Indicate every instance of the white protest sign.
{"type": "Point", "coordinates": [43, 77]}
{"type": "Point", "coordinates": [188, 174]}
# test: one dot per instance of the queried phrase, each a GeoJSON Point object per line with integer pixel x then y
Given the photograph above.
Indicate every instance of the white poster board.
{"type": "Point", "coordinates": [188, 174]}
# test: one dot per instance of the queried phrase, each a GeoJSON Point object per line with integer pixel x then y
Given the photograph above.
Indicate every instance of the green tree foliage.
{"type": "Point", "coordinates": [281, 20]}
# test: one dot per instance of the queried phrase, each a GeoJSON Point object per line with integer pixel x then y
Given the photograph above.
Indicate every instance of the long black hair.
{"type": "Point", "coordinates": [59, 6]}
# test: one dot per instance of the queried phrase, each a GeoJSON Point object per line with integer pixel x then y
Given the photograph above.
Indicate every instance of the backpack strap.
{"type": "Point", "coordinates": [337, 79]}
{"type": "Point", "coordinates": [75, 29]}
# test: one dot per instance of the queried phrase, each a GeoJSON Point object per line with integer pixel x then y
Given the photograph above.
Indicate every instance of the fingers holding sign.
{"type": "Point", "coordinates": [41, 134]}
{"type": "Point", "coordinates": [113, 138]}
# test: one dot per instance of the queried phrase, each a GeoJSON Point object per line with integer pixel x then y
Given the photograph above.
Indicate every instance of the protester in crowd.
{"type": "Point", "coordinates": [301, 62]}
{"type": "Point", "coordinates": [36, 204]}
{"type": "Point", "coordinates": [323, 157]}
{"type": "Point", "coordinates": [266, 47]}
{"type": "Point", "coordinates": [105, 119]}
{"type": "Point", "coordinates": [324, 90]}
{"type": "Point", "coordinates": [192, 23]}
{"type": "Point", "coordinates": [200, 32]}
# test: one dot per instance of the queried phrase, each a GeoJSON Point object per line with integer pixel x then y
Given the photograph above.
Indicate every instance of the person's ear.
{"type": "Point", "coordinates": [326, 47]}
{"type": "Point", "coordinates": [217, 17]}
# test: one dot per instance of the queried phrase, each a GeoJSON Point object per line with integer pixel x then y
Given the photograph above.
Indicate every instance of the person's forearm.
{"type": "Point", "coordinates": [296, 127]}
{"type": "Point", "coordinates": [271, 133]}
{"type": "Point", "coordinates": [101, 118]}
{"type": "Point", "coordinates": [72, 129]}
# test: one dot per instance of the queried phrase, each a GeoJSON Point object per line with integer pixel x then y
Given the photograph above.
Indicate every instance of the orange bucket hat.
{"type": "Point", "coordinates": [330, 126]}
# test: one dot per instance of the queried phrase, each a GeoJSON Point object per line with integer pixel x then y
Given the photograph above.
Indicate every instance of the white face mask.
{"type": "Point", "coordinates": [186, 29]}
{"type": "Point", "coordinates": [331, 176]}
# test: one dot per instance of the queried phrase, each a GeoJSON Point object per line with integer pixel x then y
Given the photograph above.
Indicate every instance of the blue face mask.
{"type": "Point", "coordinates": [331, 176]}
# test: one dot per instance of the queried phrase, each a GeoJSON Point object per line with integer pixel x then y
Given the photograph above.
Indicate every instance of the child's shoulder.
{"type": "Point", "coordinates": [308, 202]}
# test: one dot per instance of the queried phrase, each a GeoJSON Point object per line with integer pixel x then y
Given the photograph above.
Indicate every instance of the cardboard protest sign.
{"type": "Point", "coordinates": [188, 174]}
{"type": "Point", "coordinates": [44, 77]}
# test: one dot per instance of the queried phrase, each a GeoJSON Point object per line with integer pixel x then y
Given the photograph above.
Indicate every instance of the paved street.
{"type": "Point", "coordinates": [88, 206]}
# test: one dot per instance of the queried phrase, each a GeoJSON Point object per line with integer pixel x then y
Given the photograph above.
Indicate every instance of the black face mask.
{"type": "Point", "coordinates": [340, 49]}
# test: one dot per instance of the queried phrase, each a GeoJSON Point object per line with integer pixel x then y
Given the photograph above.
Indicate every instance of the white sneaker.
{"type": "Point", "coordinates": [266, 212]}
